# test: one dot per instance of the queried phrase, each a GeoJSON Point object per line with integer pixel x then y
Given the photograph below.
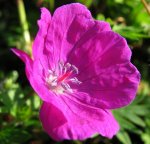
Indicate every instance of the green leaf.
{"type": "Point", "coordinates": [13, 136]}
{"type": "Point", "coordinates": [146, 138]}
{"type": "Point", "coordinates": [130, 32]}
{"type": "Point", "coordinates": [124, 137]}
{"type": "Point", "coordinates": [124, 123]}
{"type": "Point", "coordinates": [100, 17]}
{"type": "Point", "coordinates": [135, 119]}
{"type": "Point", "coordinates": [141, 110]}
{"type": "Point", "coordinates": [88, 3]}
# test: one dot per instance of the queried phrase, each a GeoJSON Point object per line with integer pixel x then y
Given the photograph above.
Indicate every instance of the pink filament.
{"type": "Point", "coordinates": [64, 76]}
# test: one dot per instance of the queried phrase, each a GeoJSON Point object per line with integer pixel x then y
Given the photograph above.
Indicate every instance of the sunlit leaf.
{"type": "Point", "coordinates": [124, 137]}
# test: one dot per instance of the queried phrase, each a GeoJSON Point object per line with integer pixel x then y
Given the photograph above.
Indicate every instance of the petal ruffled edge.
{"type": "Point", "coordinates": [43, 23]}
{"type": "Point", "coordinates": [58, 39]}
{"type": "Point", "coordinates": [103, 57]}
{"type": "Point", "coordinates": [71, 127]}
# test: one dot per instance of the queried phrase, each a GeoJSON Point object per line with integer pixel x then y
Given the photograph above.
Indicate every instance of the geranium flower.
{"type": "Point", "coordinates": [81, 70]}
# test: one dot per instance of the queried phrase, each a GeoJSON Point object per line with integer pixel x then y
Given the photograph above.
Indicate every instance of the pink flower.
{"type": "Point", "coordinates": [81, 69]}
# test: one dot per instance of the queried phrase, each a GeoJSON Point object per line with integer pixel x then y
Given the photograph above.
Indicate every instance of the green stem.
{"type": "Point", "coordinates": [24, 23]}
{"type": "Point", "coordinates": [77, 142]}
{"type": "Point", "coordinates": [51, 4]}
{"type": "Point", "coordinates": [147, 7]}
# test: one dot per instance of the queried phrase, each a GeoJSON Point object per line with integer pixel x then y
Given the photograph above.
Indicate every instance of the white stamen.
{"type": "Point", "coordinates": [68, 65]}
{"type": "Point", "coordinates": [75, 80]}
{"type": "Point", "coordinates": [59, 82]}
{"type": "Point", "coordinates": [50, 72]}
{"type": "Point", "coordinates": [75, 69]}
{"type": "Point", "coordinates": [66, 87]}
{"type": "Point", "coordinates": [60, 67]}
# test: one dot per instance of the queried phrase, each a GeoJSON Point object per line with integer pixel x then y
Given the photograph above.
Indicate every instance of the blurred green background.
{"type": "Point", "coordinates": [19, 105]}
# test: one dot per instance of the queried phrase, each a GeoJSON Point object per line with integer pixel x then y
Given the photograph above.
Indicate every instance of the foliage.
{"type": "Point", "coordinates": [19, 105]}
{"type": "Point", "coordinates": [133, 117]}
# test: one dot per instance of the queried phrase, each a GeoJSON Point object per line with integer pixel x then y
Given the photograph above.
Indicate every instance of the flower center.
{"type": "Point", "coordinates": [59, 80]}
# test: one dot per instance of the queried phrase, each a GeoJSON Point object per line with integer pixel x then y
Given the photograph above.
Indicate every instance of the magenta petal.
{"type": "Point", "coordinates": [80, 69]}
{"type": "Point", "coordinates": [39, 52]}
{"type": "Point", "coordinates": [105, 48]}
{"type": "Point", "coordinates": [68, 24]}
{"type": "Point", "coordinates": [62, 126]}
{"type": "Point", "coordinates": [114, 87]}
{"type": "Point", "coordinates": [26, 59]}
{"type": "Point", "coordinates": [36, 80]}
{"type": "Point", "coordinates": [43, 23]}
{"type": "Point", "coordinates": [102, 26]}
{"type": "Point", "coordinates": [111, 80]}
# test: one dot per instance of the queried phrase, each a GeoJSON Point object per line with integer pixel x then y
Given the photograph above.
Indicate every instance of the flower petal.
{"type": "Point", "coordinates": [43, 23]}
{"type": "Point", "coordinates": [107, 48]}
{"type": "Point", "coordinates": [36, 80]}
{"type": "Point", "coordinates": [69, 23]}
{"type": "Point", "coordinates": [60, 36]}
{"type": "Point", "coordinates": [26, 59]}
{"type": "Point", "coordinates": [102, 26]}
{"type": "Point", "coordinates": [113, 88]}
{"type": "Point", "coordinates": [39, 51]}
{"type": "Point", "coordinates": [110, 77]}
{"type": "Point", "coordinates": [62, 126]}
